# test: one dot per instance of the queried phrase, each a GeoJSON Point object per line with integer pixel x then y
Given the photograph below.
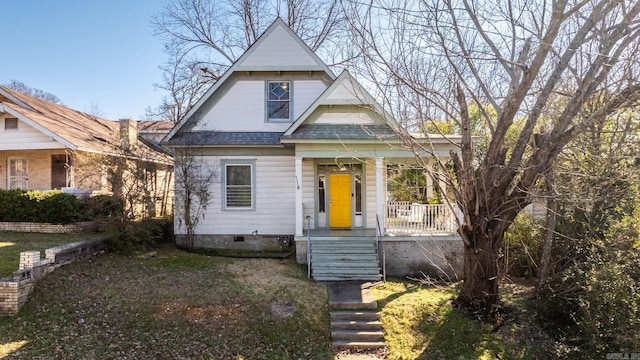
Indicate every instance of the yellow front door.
{"type": "Point", "coordinates": [340, 200]}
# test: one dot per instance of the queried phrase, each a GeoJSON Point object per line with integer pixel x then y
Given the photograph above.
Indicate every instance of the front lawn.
{"type": "Point", "coordinates": [12, 244]}
{"type": "Point", "coordinates": [420, 322]}
{"type": "Point", "coordinates": [170, 304]}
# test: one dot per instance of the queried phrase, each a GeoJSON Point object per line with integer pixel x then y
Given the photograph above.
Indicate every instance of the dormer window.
{"type": "Point", "coordinates": [278, 101]}
{"type": "Point", "coordinates": [11, 124]}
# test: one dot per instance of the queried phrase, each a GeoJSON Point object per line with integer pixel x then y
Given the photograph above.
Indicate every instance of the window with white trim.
{"type": "Point", "coordinates": [278, 100]}
{"type": "Point", "coordinates": [239, 185]}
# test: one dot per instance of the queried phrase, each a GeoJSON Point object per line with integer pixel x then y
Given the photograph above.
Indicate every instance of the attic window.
{"type": "Point", "coordinates": [278, 100]}
{"type": "Point", "coordinates": [11, 124]}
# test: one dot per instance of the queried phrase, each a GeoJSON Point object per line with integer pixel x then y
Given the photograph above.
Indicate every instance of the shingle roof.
{"type": "Point", "coordinates": [342, 132]}
{"type": "Point", "coordinates": [154, 126]}
{"type": "Point", "coordinates": [79, 130]}
{"type": "Point", "coordinates": [225, 138]}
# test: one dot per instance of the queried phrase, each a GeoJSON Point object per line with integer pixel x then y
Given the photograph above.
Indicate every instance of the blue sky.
{"type": "Point", "coordinates": [86, 52]}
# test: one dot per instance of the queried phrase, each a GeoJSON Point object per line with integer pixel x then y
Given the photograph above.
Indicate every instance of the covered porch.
{"type": "Point", "coordinates": [349, 223]}
{"type": "Point", "coordinates": [383, 236]}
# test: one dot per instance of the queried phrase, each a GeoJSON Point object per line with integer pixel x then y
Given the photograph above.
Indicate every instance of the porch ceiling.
{"type": "Point", "coordinates": [353, 149]}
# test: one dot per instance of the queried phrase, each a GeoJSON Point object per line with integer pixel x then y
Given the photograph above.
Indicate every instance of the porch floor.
{"type": "Point", "coordinates": [371, 233]}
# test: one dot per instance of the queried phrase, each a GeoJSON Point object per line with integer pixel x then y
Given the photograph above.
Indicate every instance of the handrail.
{"type": "Point", "coordinates": [308, 247]}
{"type": "Point", "coordinates": [404, 217]}
{"type": "Point", "coordinates": [381, 242]}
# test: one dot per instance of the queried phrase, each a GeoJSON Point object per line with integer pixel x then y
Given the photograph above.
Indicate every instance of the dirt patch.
{"type": "Point", "coordinates": [283, 309]}
{"type": "Point", "coordinates": [360, 355]}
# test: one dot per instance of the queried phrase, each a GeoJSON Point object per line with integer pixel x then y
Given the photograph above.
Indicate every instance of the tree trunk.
{"type": "Point", "coordinates": [550, 227]}
{"type": "Point", "coordinates": [479, 292]}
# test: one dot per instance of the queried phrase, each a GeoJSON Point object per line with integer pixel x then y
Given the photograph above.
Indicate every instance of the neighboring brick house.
{"type": "Point", "coordinates": [46, 146]}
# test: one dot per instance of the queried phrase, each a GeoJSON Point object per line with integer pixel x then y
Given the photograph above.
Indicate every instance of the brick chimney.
{"type": "Point", "coordinates": [128, 133]}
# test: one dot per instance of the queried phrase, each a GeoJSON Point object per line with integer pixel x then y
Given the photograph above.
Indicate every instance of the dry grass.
{"type": "Point", "coordinates": [173, 305]}
{"type": "Point", "coordinates": [170, 304]}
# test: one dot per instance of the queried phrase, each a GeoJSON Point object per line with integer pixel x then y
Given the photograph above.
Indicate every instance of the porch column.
{"type": "Point", "coordinates": [380, 193]}
{"type": "Point", "coordinates": [299, 209]}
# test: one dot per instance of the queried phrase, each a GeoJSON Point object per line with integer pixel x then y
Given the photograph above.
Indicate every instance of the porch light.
{"type": "Point", "coordinates": [284, 85]}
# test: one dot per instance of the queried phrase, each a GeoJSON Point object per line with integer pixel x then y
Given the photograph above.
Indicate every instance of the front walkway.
{"type": "Point", "coordinates": [355, 320]}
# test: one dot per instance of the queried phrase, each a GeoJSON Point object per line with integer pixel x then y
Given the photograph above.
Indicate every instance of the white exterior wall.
{"type": "Point", "coordinates": [279, 50]}
{"type": "Point", "coordinates": [309, 191]}
{"type": "Point", "coordinates": [243, 106]}
{"type": "Point", "coordinates": [274, 195]}
{"type": "Point", "coordinates": [25, 137]}
{"type": "Point", "coordinates": [342, 115]}
{"type": "Point", "coordinates": [370, 192]}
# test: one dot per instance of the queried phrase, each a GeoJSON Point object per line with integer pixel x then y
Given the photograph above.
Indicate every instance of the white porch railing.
{"type": "Point", "coordinates": [406, 218]}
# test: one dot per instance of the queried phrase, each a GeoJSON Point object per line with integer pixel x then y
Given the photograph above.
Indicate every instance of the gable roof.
{"type": "Point", "coordinates": [253, 60]}
{"type": "Point", "coordinates": [74, 129]}
{"type": "Point", "coordinates": [344, 90]}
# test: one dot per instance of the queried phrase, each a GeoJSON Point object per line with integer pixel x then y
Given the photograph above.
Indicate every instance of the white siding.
{"type": "Point", "coordinates": [25, 137]}
{"type": "Point", "coordinates": [309, 191]}
{"type": "Point", "coordinates": [345, 92]}
{"type": "Point", "coordinates": [305, 93]}
{"type": "Point", "coordinates": [370, 183]}
{"type": "Point", "coordinates": [343, 115]}
{"type": "Point", "coordinates": [275, 201]}
{"type": "Point", "coordinates": [279, 49]}
{"type": "Point", "coordinates": [242, 106]}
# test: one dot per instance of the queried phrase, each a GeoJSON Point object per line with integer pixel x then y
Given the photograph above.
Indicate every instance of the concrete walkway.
{"type": "Point", "coordinates": [355, 321]}
{"type": "Point", "coordinates": [350, 295]}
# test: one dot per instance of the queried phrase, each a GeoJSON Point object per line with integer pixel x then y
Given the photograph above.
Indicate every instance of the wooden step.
{"type": "Point", "coordinates": [348, 265]}
{"type": "Point", "coordinates": [347, 277]}
{"type": "Point", "coordinates": [344, 257]}
{"type": "Point", "coordinates": [349, 259]}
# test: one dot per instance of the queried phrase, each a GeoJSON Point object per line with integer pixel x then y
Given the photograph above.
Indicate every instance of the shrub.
{"type": "Point", "coordinates": [141, 235]}
{"type": "Point", "coordinates": [595, 296]}
{"type": "Point", "coordinates": [101, 206]}
{"type": "Point", "coordinates": [522, 246]}
{"type": "Point", "coordinates": [52, 207]}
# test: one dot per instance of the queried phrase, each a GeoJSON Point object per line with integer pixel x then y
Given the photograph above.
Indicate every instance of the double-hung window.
{"type": "Point", "coordinates": [239, 185]}
{"type": "Point", "coordinates": [278, 100]}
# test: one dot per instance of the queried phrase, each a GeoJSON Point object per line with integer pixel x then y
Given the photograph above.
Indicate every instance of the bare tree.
{"type": "Point", "coordinates": [524, 61]}
{"type": "Point", "coordinates": [37, 93]}
{"type": "Point", "coordinates": [203, 38]}
{"type": "Point", "coordinates": [194, 175]}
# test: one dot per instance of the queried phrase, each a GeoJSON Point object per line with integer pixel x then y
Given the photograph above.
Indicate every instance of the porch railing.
{"type": "Point", "coordinates": [404, 217]}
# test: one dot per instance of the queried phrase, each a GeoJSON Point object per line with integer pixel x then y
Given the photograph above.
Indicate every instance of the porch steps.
{"type": "Point", "coordinates": [338, 259]}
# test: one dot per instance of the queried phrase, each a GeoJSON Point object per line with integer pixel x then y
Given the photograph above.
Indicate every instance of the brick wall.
{"type": "Point", "coordinates": [15, 293]}
{"type": "Point", "coordinates": [38, 167]}
{"type": "Point", "coordinates": [77, 228]}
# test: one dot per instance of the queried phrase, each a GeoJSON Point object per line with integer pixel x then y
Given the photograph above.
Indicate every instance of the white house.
{"type": "Point", "coordinates": [302, 157]}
